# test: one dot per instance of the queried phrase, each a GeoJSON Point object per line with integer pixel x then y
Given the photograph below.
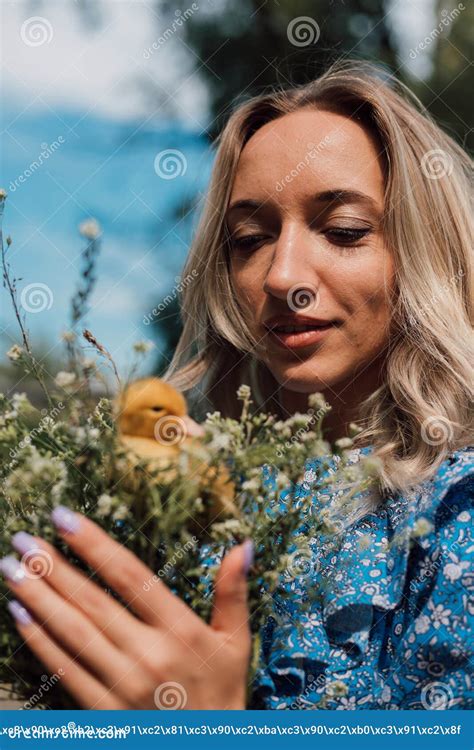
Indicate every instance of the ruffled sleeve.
{"type": "Point", "coordinates": [357, 646]}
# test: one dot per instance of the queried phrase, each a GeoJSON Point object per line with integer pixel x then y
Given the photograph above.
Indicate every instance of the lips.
{"type": "Point", "coordinates": [293, 319]}
{"type": "Point", "coordinates": [295, 331]}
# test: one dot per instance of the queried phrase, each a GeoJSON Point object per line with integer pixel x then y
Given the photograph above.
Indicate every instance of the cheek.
{"type": "Point", "coordinates": [369, 291]}
{"type": "Point", "coordinates": [248, 283]}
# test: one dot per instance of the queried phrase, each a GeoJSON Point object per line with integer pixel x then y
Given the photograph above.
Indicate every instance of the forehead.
{"type": "Point", "coordinates": [305, 152]}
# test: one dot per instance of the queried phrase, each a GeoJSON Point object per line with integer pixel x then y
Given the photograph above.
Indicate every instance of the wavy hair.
{"type": "Point", "coordinates": [422, 410]}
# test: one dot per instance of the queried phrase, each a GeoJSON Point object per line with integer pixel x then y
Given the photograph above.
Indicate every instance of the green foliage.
{"type": "Point", "coordinates": [75, 457]}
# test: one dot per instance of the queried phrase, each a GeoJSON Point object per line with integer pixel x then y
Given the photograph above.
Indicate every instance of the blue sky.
{"type": "Point", "coordinates": [74, 91]}
{"type": "Point", "coordinates": [82, 86]}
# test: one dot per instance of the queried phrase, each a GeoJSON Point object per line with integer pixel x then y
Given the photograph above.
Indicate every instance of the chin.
{"type": "Point", "coordinates": [305, 379]}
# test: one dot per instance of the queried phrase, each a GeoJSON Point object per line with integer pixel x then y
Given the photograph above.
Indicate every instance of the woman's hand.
{"type": "Point", "coordinates": [158, 653]}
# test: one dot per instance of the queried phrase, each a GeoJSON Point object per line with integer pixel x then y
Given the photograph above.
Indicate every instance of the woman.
{"type": "Point", "coordinates": [333, 256]}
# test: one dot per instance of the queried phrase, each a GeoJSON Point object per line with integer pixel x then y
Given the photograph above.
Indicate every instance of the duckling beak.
{"type": "Point", "coordinates": [193, 429]}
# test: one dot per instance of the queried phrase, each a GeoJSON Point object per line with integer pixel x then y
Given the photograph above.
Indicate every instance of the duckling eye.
{"type": "Point", "coordinates": [156, 408]}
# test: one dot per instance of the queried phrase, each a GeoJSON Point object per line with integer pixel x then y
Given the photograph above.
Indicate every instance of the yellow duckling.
{"type": "Point", "coordinates": [153, 418]}
{"type": "Point", "coordinates": [153, 423]}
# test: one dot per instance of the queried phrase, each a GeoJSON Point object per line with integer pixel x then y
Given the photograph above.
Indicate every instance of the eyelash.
{"type": "Point", "coordinates": [247, 241]}
{"type": "Point", "coordinates": [346, 236]}
{"type": "Point", "coordinates": [342, 236]}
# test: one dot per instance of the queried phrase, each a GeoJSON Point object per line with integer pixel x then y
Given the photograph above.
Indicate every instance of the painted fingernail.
{"type": "Point", "coordinates": [23, 543]}
{"type": "Point", "coordinates": [12, 569]}
{"type": "Point", "coordinates": [19, 613]}
{"type": "Point", "coordinates": [248, 555]}
{"type": "Point", "coordinates": [65, 519]}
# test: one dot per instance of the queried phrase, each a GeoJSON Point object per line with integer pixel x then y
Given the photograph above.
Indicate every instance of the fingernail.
{"type": "Point", "coordinates": [12, 569]}
{"type": "Point", "coordinates": [65, 519]}
{"type": "Point", "coordinates": [23, 543]}
{"type": "Point", "coordinates": [19, 613]}
{"type": "Point", "coordinates": [248, 555]}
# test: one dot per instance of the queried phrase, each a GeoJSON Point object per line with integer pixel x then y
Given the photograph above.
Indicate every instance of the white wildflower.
{"type": "Point", "coordinates": [120, 513]}
{"type": "Point", "coordinates": [282, 481]}
{"type": "Point", "coordinates": [343, 443]}
{"type": "Point", "coordinates": [68, 336]}
{"type": "Point", "coordinates": [90, 229]}
{"type": "Point", "coordinates": [104, 505]}
{"type": "Point", "coordinates": [79, 434]}
{"type": "Point", "coordinates": [251, 485]}
{"type": "Point", "coordinates": [198, 505]}
{"type": "Point", "coordinates": [20, 401]}
{"type": "Point", "coordinates": [15, 352]}
{"type": "Point", "coordinates": [243, 392]}
{"type": "Point", "coordinates": [143, 347]}
{"type": "Point", "coordinates": [232, 527]}
{"type": "Point", "coordinates": [220, 441]}
{"type": "Point", "coordinates": [317, 401]}
{"type": "Point", "coordinates": [64, 379]}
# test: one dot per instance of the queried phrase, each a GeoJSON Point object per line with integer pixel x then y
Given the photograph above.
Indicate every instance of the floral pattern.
{"type": "Point", "coordinates": [391, 625]}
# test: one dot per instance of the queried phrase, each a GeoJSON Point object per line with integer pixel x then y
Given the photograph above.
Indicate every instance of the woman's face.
{"type": "Point", "coordinates": [308, 259]}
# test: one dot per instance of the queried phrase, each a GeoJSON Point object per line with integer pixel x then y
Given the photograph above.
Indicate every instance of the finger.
{"type": "Point", "coordinates": [69, 627]}
{"type": "Point", "coordinates": [86, 689]}
{"type": "Point", "coordinates": [115, 621]}
{"type": "Point", "coordinates": [193, 429]}
{"type": "Point", "coordinates": [230, 613]}
{"type": "Point", "coordinates": [120, 568]}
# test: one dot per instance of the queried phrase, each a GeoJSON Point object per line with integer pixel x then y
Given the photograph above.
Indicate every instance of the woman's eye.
{"type": "Point", "coordinates": [346, 235]}
{"type": "Point", "coordinates": [248, 241]}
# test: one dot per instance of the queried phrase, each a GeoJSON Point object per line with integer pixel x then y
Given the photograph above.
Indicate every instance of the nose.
{"type": "Point", "coordinates": [292, 273]}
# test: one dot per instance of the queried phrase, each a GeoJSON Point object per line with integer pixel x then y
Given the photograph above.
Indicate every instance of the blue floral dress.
{"type": "Point", "coordinates": [393, 622]}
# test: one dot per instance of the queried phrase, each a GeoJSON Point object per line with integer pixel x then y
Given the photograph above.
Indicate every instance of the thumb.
{"type": "Point", "coordinates": [230, 613]}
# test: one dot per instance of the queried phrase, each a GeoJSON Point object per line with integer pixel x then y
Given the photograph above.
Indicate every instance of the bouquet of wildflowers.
{"type": "Point", "coordinates": [179, 507]}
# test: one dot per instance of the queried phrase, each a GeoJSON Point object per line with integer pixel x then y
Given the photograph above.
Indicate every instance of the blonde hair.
{"type": "Point", "coordinates": [422, 411]}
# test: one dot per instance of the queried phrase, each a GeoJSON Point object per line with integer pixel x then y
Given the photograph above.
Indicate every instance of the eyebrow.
{"type": "Point", "coordinates": [247, 203]}
{"type": "Point", "coordinates": [340, 195]}
{"type": "Point", "coordinates": [337, 195]}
